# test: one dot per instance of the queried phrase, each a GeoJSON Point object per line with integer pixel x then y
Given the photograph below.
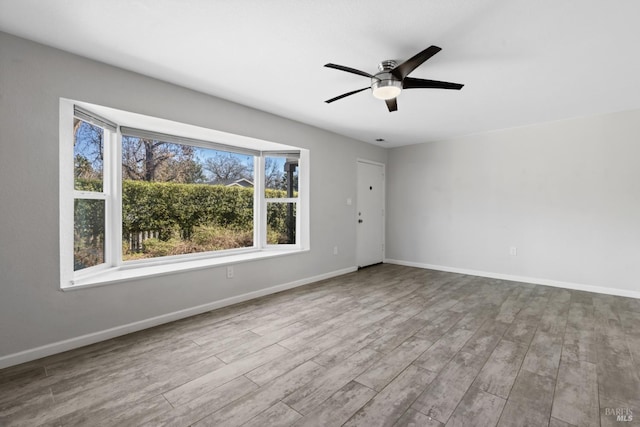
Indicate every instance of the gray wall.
{"type": "Point", "coordinates": [33, 311]}
{"type": "Point", "coordinates": [566, 194]}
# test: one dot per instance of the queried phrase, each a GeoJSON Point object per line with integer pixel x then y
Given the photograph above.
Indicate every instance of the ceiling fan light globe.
{"type": "Point", "coordinates": [386, 89]}
{"type": "Point", "coordinates": [386, 92]}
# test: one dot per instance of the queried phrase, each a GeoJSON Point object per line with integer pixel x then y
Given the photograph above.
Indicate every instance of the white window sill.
{"type": "Point", "coordinates": [123, 274]}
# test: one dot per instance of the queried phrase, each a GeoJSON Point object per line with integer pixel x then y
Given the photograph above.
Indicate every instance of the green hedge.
{"type": "Point", "coordinates": [169, 208]}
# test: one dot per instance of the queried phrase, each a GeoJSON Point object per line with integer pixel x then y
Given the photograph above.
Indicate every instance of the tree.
{"type": "Point", "coordinates": [227, 167]}
{"type": "Point", "coordinates": [183, 169]}
{"type": "Point", "coordinates": [274, 174]}
{"type": "Point", "coordinates": [88, 146]}
{"type": "Point", "coordinates": [83, 168]}
{"type": "Point", "coordinates": [152, 160]}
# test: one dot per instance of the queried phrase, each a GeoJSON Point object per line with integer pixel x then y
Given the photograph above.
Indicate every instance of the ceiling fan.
{"type": "Point", "coordinates": [392, 78]}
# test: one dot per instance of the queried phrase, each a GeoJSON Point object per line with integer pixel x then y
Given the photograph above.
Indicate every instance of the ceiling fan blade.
{"type": "Point", "coordinates": [404, 69]}
{"type": "Point", "coordinates": [349, 70]}
{"type": "Point", "coordinates": [411, 83]}
{"type": "Point", "coordinates": [344, 95]}
{"type": "Point", "coordinates": [392, 104]}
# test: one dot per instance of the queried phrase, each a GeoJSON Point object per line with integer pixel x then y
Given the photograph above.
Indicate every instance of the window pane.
{"type": "Point", "coordinates": [88, 154]}
{"type": "Point", "coordinates": [88, 235]}
{"type": "Point", "coordinates": [181, 199]}
{"type": "Point", "coordinates": [281, 223]}
{"type": "Point", "coordinates": [281, 177]}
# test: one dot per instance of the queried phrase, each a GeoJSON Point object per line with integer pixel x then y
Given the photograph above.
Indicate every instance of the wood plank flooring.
{"type": "Point", "coordinates": [385, 346]}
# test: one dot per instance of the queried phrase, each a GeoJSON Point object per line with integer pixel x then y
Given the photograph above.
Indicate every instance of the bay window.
{"type": "Point", "coordinates": [135, 197]}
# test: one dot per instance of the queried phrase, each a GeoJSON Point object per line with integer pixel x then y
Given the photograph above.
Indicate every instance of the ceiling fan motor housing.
{"type": "Point", "coordinates": [384, 84]}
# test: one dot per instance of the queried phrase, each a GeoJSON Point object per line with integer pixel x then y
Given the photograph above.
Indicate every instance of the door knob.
{"type": "Point", "coordinates": [360, 221]}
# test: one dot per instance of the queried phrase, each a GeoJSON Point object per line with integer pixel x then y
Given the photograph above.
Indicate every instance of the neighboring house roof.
{"type": "Point", "coordinates": [242, 182]}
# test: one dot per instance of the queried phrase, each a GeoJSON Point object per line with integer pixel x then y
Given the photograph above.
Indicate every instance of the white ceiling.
{"type": "Point", "coordinates": [522, 61]}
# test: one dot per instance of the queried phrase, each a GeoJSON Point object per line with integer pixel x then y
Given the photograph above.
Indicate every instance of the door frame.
{"type": "Point", "coordinates": [384, 205]}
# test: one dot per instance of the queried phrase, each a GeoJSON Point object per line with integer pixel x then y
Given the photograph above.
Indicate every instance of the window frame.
{"type": "Point", "coordinates": [114, 269]}
{"type": "Point", "coordinates": [267, 200]}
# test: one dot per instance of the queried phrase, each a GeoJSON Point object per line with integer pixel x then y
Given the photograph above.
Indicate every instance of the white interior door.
{"type": "Point", "coordinates": [370, 214]}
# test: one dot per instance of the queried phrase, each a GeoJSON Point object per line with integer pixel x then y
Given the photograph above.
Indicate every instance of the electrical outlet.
{"type": "Point", "coordinates": [513, 251]}
{"type": "Point", "coordinates": [230, 272]}
{"type": "Point", "coordinates": [335, 250]}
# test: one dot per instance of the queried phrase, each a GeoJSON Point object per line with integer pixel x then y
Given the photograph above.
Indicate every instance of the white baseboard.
{"type": "Point", "coordinates": [525, 279]}
{"type": "Point", "coordinates": [81, 341]}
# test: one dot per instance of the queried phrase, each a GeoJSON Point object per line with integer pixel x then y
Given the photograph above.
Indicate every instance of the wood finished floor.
{"type": "Point", "coordinates": [388, 345]}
